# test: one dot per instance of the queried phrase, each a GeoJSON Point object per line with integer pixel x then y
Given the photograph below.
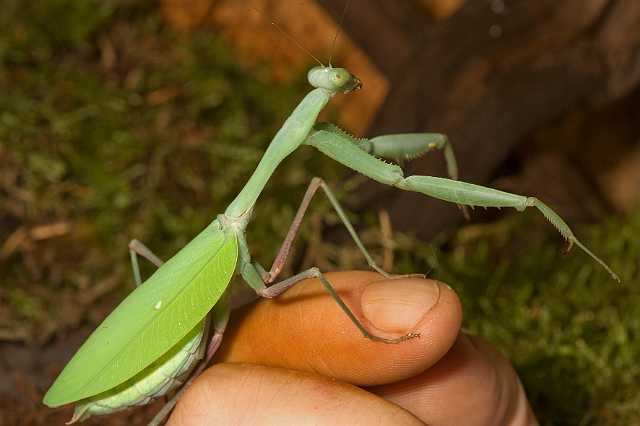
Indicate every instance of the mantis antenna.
{"type": "Point", "coordinates": [289, 36]}
{"type": "Point", "coordinates": [335, 37]}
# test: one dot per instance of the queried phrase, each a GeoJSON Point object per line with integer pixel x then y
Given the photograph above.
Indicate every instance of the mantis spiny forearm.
{"type": "Point", "coordinates": [404, 146]}
{"type": "Point", "coordinates": [345, 149]}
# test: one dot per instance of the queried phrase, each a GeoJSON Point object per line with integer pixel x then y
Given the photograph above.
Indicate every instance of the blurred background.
{"type": "Point", "coordinates": [124, 119]}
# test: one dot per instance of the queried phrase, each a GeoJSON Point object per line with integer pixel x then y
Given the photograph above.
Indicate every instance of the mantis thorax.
{"type": "Point", "coordinates": [235, 224]}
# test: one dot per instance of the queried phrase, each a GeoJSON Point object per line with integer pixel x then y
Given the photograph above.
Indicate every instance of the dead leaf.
{"type": "Point", "coordinates": [621, 184]}
{"type": "Point", "coordinates": [442, 9]}
{"type": "Point", "coordinates": [53, 230]}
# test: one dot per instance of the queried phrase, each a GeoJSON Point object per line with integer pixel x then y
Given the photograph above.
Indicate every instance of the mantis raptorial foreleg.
{"type": "Point", "coordinates": [407, 146]}
{"type": "Point", "coordinates": [285, 248]}
{"type": "Point", "coordinates": [346, 150]}
{"type": "Point", "coordinates": [402, 146]}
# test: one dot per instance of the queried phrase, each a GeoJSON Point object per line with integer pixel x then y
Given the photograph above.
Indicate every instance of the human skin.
{"type": "Point", "coordinates": [299, 360]}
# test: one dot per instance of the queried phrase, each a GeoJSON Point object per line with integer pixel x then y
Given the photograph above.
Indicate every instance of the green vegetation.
{"type": "Point", "coordinates": [115, 126]}
{"type": "Point", "coordinates": [570, 331]}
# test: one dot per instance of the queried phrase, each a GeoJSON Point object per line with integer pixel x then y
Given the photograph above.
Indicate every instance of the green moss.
{"type": "Point", "coordinates": [571, 331]}
{"type": "Point", "coordinates": [26, 305]}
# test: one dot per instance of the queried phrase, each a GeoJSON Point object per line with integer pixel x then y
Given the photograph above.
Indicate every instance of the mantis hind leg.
{"type": "Point", "coordinates": [136, 248]}
{"type": "Point", "coordinates": [287, 244]}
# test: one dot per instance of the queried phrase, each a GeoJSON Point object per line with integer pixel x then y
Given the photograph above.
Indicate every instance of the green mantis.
{"type": "Point", "coordinates": [155, 338]}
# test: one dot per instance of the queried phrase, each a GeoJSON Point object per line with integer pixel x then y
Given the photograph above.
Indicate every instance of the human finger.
{"type": "Point", "coordinates": [304, 329]}
{"type": "Point", "coordinates": [246, 394]}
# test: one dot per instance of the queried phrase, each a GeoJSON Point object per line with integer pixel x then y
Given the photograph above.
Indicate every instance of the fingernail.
{"type": "Point", "coordinates": [398, 305]}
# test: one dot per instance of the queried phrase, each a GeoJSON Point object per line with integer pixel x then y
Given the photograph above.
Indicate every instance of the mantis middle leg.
{"type": "Point", "coordinates": [258, 278]}
{"type": "Point", "coordinates": [287, 244]}
{"type": "Point", "coordinates": [252, 277]}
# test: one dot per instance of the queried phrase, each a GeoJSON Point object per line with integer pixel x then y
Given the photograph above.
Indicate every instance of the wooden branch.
{"type": "Point", "coordinates": [487, 78]}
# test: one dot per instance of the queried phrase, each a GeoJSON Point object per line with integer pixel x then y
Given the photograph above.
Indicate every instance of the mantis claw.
{"type": "Point", "coordinates": [465, 211]}
{"type": "Point", "coordinates": [396, 340]}
{"type": "Point", "coordinates": [400, 276]}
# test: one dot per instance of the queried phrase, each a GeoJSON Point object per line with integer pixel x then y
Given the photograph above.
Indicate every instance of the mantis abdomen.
{"type": "Point", "coordinates": [162, 376]}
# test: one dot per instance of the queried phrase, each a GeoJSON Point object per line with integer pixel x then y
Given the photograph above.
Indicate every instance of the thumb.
{"type": "Point", "coordinates": [304, 329]}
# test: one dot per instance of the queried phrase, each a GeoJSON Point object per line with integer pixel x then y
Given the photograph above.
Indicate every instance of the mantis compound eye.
{"type": "Point", "coordinates": [344, 81]}
{"type": "Point", "coordinates": [339, 77]}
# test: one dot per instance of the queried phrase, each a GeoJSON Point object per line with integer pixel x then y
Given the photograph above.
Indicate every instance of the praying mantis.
{"type": "Point", "coordinates": [164, 333]}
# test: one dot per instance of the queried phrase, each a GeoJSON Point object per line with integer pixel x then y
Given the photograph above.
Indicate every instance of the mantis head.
{"type": "Point", "coordinates": [333, 79]}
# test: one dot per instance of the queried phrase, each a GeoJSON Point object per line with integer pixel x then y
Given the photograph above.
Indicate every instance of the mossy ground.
{"type": "Point", "coordinates": [570, 330]}
{"type": "Point", "coordinates": [114, 126]}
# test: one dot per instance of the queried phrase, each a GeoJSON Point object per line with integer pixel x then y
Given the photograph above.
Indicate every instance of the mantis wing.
{"type": "Point", "coordinates": [152, 319]}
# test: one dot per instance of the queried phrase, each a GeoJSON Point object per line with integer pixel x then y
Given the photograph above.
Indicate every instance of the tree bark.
{"type": "Point", "coordinates": [487, 77]}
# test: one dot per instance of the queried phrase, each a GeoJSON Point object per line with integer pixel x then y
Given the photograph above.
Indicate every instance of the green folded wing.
{"type": "Point", "coordinates": [152, 319]}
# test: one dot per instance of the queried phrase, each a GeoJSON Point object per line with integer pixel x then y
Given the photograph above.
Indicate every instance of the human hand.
{"type": "Point", "coordinates": [298, 359]}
